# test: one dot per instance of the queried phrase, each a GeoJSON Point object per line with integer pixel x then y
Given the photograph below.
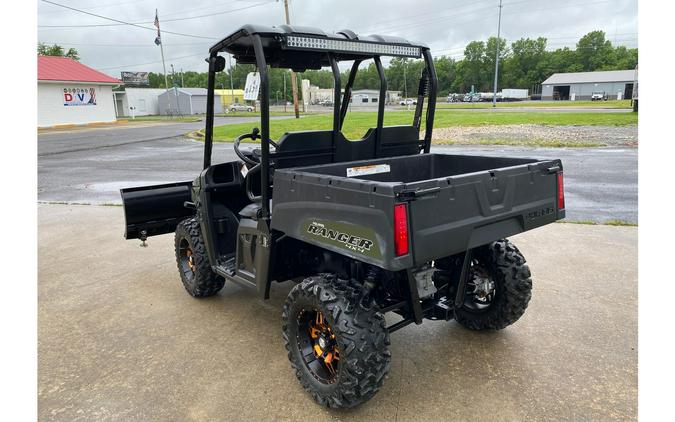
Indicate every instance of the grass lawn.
{"type": "Point", "coordinates": [357, 123]}
{"type": "Point", "coordinates": [541, 104]}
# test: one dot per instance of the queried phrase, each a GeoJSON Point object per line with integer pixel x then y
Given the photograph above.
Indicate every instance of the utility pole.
{"type": "Point", "coordinates": [285, 98]}
{"type": "Point", "coordinates": [294, 79]}
{"type": "Point", "coordinates": [158, 41]}
{"type": "Point", "coordinates": [405, 81]}
{"type": "Point", "coordinates": [231, 82]}
{"type": "Point", "coordinates": [175, 89]}
{"type": "Point", "coordinates": [499, 28]}
{"type": "Point", "coordinates": [182, 82]}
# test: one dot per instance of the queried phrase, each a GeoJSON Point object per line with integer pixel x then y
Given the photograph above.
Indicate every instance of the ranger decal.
{"type": "Point", "coordinates": [345, 236]}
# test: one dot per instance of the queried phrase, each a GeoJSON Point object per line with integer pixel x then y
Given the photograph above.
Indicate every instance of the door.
{"type": "Point", "coordinates": [119, 106]}
{"type": "Point", "coordinates": [628, 91]}
{"type": "Point", "coordinates": [563, 92]}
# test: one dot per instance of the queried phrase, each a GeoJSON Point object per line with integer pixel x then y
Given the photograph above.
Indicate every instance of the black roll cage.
{"type": "Point", "coordinates": [263, 46]}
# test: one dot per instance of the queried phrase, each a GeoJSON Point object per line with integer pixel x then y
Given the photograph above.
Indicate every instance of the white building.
{"type": "Point", "coordinates": [370, 97]}
{"type": "Point", "coordinates": [144, 101]}
{"type": "Point", "coordinates": [615, 84]}
{"type": "Point", "coordinates": [70, 93]}
{"type": "Point", "coordinates": [190, 101]}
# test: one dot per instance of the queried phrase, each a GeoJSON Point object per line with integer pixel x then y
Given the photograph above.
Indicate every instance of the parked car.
{"type": "Point", "coordinates": [599, 96]}
{"type": "Point", "coordinates": [240, 107]}
{"type": "Point", "coordinates": [471, 98]}
{"type": "Point", "coordinates": [408, 101]}
{"type": "Point", "coordinates": [454, 98]}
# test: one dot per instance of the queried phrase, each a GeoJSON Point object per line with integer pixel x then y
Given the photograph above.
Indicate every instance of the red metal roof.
{"type": "Point", "coordinates": [52, 68]}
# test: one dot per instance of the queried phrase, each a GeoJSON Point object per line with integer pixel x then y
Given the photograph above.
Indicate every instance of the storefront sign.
{"type": "Point", "coordinates": [79, 96]}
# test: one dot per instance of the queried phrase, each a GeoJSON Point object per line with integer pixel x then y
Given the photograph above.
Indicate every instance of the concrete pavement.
{"type": "Point", "coordinates": [120, 339]}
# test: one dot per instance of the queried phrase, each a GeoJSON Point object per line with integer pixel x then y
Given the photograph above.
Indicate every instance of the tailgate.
{"type": "Point", "coordinates": [468, 210]}
{"type": "Point", "coordinates": [154, 210]}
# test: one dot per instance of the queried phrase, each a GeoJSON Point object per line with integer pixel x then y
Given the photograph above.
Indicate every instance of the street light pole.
{"type": "Point", "coordinates": [499, 28]}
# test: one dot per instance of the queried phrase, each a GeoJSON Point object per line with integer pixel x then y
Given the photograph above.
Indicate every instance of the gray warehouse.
{"type": "Point", "coordinates": [615, 84]}
{"type": "Point", "coordinates": [190, 101]}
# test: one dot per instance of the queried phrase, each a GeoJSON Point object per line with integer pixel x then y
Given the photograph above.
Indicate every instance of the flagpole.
{"type": "Point", "coordinates": [161, 49]}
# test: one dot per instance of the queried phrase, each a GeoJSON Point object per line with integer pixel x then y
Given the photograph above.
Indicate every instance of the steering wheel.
{"type": "Point", "coordinates": [253, 161]}
{"type": "Point", "coordinates": [255, 134]}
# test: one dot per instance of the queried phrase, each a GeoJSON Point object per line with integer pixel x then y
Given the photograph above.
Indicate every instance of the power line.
{"type": "Point", "coordinates": [443, 19]}
{"type": "Point", "coordinates": [146, 22]}
{"type": "Point", "coordinates": [409, 17]}
{"type": "Point", "coordinates": [149, 45]}
{"type": "Point", "coordinates": [100, 6]}
{"type": "Point", "coordinates": [123, 22]}
{"type": "Point", "coordinates": [155, 62]}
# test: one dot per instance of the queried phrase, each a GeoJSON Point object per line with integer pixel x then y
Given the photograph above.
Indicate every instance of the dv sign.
{"type": "Point", "coordinates": [252, 86]}
{"type": "Point", "coordinates": [79, 96]}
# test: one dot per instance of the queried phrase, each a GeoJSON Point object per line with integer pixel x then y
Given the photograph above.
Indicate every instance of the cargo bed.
{"type": "Point", "coordinates": [454, 202]}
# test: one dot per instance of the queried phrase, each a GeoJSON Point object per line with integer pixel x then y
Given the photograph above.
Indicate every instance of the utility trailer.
{"type": "Point", "coordinates": [365, 227]}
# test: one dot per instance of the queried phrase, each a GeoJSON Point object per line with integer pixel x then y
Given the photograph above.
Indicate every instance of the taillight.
{"type": "Point", "coordinates": [400, 229]}
{"type": "Point", "coordinates": [561, 192]}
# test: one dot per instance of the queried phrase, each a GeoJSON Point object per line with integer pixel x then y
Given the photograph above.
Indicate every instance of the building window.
{"type": "Point", "coordinates": [364, 100]}
{"type": "Point", "coordinates": [373, 100]}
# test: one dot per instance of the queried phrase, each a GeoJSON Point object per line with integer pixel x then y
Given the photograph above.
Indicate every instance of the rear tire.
{"type": "Point", "coordinates": [356, 340]}
{"type": "Point", "coordinates": [506, 269]}
{"type": "Point", "coordinates": [193, 263]}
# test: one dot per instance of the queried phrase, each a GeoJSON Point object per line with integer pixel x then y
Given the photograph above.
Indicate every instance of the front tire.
{"type": "Point", "coordinates": [193, 263]}
{"type": "Point", "coordinates": [498, 290]}
{"type": "Point", "coordinates": [336, 345]}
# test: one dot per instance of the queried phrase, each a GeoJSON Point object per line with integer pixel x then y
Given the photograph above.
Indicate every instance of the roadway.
{"type": "Point", "coordinates": [91, 165]}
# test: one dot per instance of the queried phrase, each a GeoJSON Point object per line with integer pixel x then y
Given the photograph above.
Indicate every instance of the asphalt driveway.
{"type": "Point", "coordinates": [90, 166]}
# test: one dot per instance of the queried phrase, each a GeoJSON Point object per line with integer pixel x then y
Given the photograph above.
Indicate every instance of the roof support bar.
{"type": "Point", "coordinates": [264, 126]}
{"type": "Point", "coordinates": [380, 105]}
{"type": "Point", "coordinates": [337, 121]}
{"type": "Point", "coordinates": [208, 132]}
{"type": "Point", "coordinates": [421, 93]}
{"type": "Point", "coordinates": [348, 91]}
{"type": "Point", "coordinates": [431, 95]}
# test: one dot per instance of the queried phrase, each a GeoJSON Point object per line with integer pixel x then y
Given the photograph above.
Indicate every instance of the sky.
{"type": "Point", "coordinates": [446, 26]}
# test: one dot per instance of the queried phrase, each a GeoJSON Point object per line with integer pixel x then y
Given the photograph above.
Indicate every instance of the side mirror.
{"type": "Point", "coordinates": [219, 64]}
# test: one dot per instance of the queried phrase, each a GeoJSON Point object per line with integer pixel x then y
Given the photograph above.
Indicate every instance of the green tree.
{"type": "Point", "coordinates": [56, 50]}
{"type": "Point", "coordinates": [489, 62]}
{"type": "Point", "coordinates": [522, 68]}
{"type": "Point", "coordinates": [446, 72]}
{"type": "Point", "coordinates": [594, 52]}
{"type": "Point", "coordinates": [474, 65]}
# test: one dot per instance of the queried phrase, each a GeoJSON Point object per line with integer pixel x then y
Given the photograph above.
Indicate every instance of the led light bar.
{"type": "Point", "coordinates": [347, 46]}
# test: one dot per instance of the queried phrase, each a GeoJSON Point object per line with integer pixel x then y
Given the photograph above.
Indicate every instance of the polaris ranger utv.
{"type": "Point", "coordinates": [365, 227]}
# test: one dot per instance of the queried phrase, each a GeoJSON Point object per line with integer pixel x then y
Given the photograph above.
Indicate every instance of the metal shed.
{"type": "Point", "coordinates": [182, 101]}
{"type": "Point", "coordinates": [616, 84]}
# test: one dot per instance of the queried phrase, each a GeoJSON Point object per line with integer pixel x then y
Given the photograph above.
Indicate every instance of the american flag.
{"type": "Point", "coordinates": [158, 40]}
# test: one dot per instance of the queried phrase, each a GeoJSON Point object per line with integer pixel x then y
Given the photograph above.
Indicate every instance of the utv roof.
{"type": "Point", "coordinates": [301, 47]}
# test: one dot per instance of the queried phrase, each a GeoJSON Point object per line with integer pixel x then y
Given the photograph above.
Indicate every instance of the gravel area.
{"type": "Point", "coordinates": [540, 135]}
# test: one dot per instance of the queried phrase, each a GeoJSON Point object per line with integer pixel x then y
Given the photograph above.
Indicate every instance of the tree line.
{"type": "Point", "coordinates": [525, 63]}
